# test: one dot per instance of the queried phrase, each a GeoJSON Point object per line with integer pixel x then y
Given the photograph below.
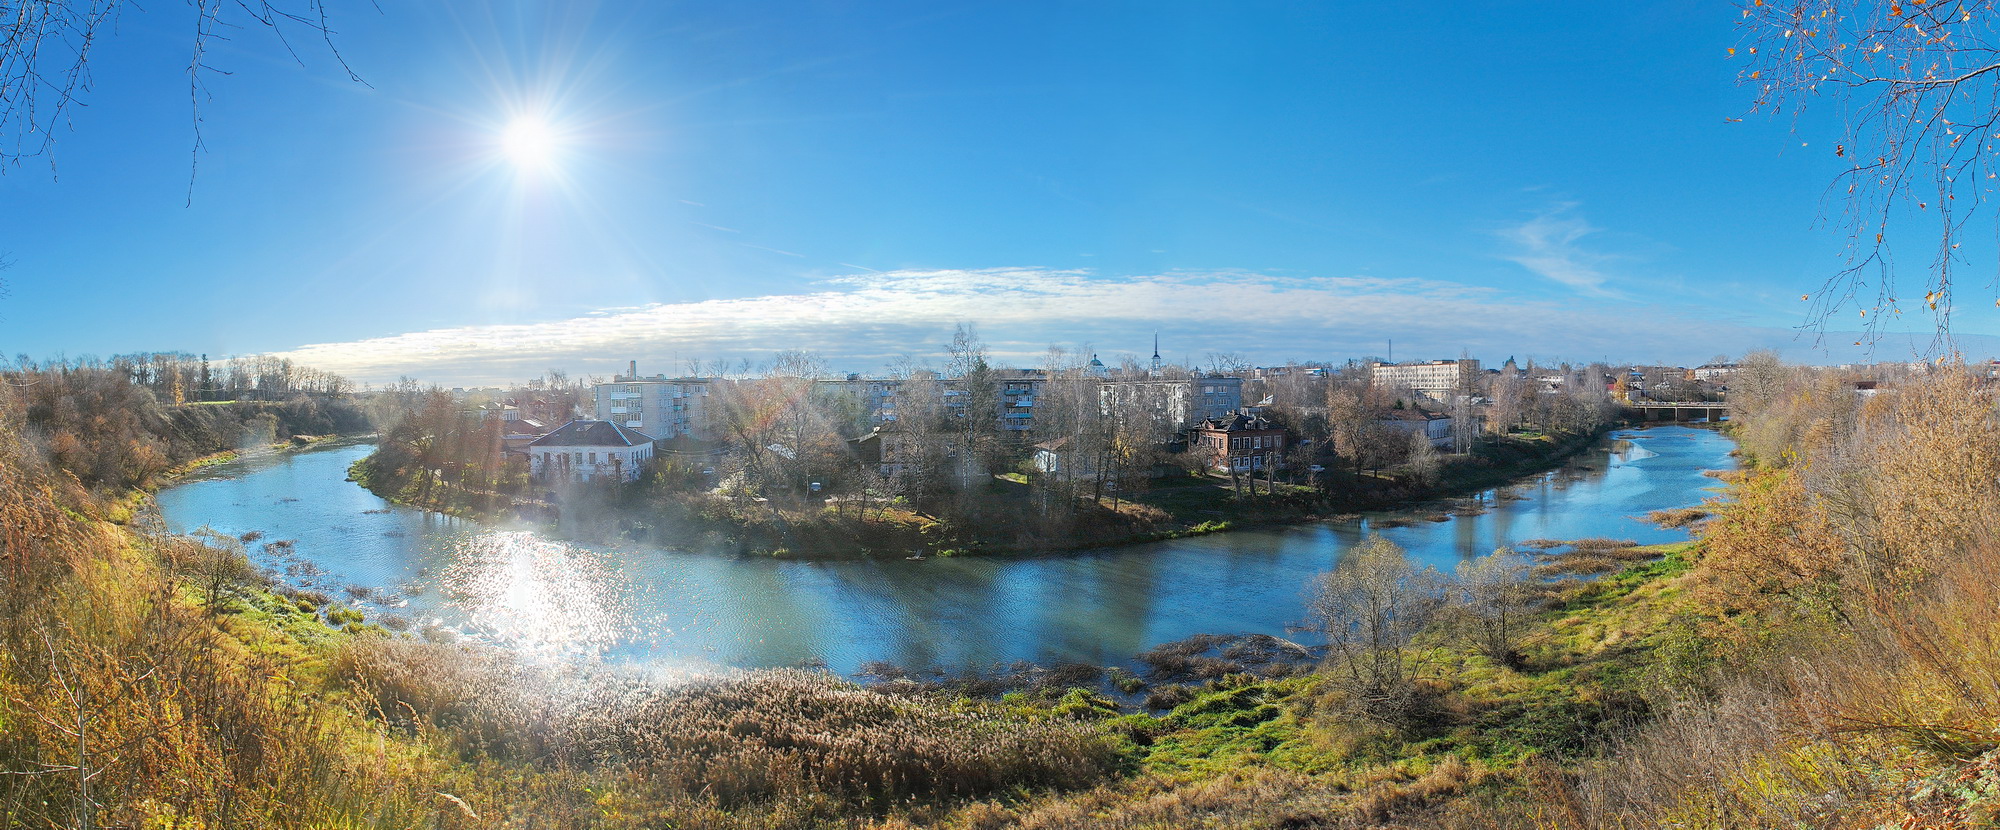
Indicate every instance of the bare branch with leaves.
{"type": "Point", "coordinates": [1917, 87]}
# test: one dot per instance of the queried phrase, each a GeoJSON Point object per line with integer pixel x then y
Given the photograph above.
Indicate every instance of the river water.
{"type": "Point", "coordinates": [679, 611]}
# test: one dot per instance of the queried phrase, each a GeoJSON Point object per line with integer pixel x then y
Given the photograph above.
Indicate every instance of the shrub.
{"type": "Point", "coordinates": [1125, 681]}
{"type": "Point", "coordinates": [1372, 605]}
{"type": "Point", "coordinates": [1169, 696]}
{"type": "Point", "coordinates": [766, 735]}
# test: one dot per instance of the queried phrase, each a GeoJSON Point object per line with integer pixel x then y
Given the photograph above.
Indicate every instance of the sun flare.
{"type": "Point", "coordinates": [530, 143]}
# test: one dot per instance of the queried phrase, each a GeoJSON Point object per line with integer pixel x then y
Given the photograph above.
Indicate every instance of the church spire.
{"type": "Point", "coordinates": [1156, 352]}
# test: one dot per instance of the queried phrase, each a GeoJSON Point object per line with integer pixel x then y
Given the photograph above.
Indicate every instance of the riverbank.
{"type": "Point", "coordinates": [255, 704]}
{"type": "Point", "coordinates": [517, 584]}
{"type": "Point", "coordinates": [123, 509]}
{"type": "Point", "coordinates": [1007, 516]}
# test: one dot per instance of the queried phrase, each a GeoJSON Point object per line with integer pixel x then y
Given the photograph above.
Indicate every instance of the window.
{"type": "Point", "coordinates": [593, 458]}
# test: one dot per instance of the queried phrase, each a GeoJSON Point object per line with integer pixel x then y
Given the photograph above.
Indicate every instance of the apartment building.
{"type": "Point", "coordinates": [1436, 379]}
{"type": "Point", "coordinates": [877, 397]}
{"type": "Point", "coordinates": [1019, 388]}
{"type": "Point", "coordinates": [659, 406]}
{"type": "Point", "coordinates": [1182, 402]}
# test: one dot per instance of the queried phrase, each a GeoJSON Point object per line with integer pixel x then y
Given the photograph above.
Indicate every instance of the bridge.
{"type": "Point", "coordinates": [1650, 410]}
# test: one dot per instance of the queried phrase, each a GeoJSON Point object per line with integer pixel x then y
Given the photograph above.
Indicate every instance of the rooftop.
{"type": "Point", "coordinates": [1239, 422]}
{"type": "Point", "coordinates": [592, 434]}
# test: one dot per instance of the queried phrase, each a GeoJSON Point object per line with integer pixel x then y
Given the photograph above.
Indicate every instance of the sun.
{"type": "Point", "coordinates": [530, 143]}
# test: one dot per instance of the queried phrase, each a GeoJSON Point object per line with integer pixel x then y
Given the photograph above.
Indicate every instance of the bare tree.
{"type": "Point", "coordinates": [1373, 605]}
{"type": "Point", "coordinates": [46, 48]}
{"type": "Point", "coordinates": [1227, 363]}
{"type": "Point", "coordinates": [977, 409]}
{"type": "Point", "coordinates": [1917, 88]}
{"type": "Point", "coordinates": [1493, 601]}
{"type": "Point", "coordinates": [1424, 464]}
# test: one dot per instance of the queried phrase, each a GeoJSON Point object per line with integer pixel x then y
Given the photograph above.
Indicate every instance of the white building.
{"type": "Point", "coordinates": [1435, 426]}
{"type": "Point", "coordinates": [1436, 379]}
{"type": "Point", "coordinates": [587, 450]}
{"type": "Point", "coordinates": [1715, 372]}
{"type": "Point", "coordinates": [659, 406]}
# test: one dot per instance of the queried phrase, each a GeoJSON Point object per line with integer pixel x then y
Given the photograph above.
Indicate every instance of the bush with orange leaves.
{"type": "Point", "coordinates": [1876, 491]}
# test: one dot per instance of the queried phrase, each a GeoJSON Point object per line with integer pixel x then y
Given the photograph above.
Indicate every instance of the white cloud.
{"type": "Point", "coordinates": [860, 323]}
{"type": "Point", "coordinates": [1550, 245]}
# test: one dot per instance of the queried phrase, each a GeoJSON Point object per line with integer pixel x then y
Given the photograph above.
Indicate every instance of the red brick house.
{"type": "Point", "coordinates": [1239, 443]}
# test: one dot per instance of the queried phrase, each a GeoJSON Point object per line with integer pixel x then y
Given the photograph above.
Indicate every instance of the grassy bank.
{"type": "Point", "coordinates": [219, 701]}
{"type": "Point", "coordinates": [205, 698]}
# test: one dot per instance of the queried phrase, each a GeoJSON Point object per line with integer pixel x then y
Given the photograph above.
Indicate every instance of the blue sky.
{"type": "Point", "coordinates": [1283, 180]}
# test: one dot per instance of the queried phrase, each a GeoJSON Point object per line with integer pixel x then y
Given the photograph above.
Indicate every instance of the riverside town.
{"type": "Point", "coordinates": [530, 415]}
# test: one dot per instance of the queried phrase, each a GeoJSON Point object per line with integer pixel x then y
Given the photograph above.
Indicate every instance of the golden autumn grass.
{"type": "Point", "coordinates": [1826, 656]}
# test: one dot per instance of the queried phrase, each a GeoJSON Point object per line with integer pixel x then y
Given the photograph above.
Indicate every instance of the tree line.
{"type": "Point", "coordinates": [110, 424]}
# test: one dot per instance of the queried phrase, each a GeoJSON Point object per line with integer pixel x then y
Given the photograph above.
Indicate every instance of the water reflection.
{"type": "Point", "coordinates": [688, 611]}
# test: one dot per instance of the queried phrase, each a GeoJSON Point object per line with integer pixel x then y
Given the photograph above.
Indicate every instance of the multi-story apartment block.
{"type": "Point", "coordinates": [877, 397]}
{"type": "Point", "coordinates": [1181, 402]}
{"type": "Point", "coordinates": [659, 406]}
{"type": "Point", "coordinates": [1018, 390]}
{"type": "Point", "coordinates": [1438, 379]}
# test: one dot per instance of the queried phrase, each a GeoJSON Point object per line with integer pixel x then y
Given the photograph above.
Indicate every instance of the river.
{"type": "Point", "coordinates": [678, 611]}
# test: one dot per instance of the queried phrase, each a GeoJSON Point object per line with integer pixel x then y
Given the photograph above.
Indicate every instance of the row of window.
{"type": "Point", "coordinates": [1243, 442]}
{"type": "Point", "coordinates": [579, 458]}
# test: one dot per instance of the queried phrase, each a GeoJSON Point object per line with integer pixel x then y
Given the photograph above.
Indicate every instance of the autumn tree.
{"type": "Point", "coordinates": [1068, 424]}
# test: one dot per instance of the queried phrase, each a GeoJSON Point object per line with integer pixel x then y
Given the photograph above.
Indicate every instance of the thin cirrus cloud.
{"type": "Point", "coordinates": [863, 322]}
{"type": "Point", "coordinates": [1552, 245]}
